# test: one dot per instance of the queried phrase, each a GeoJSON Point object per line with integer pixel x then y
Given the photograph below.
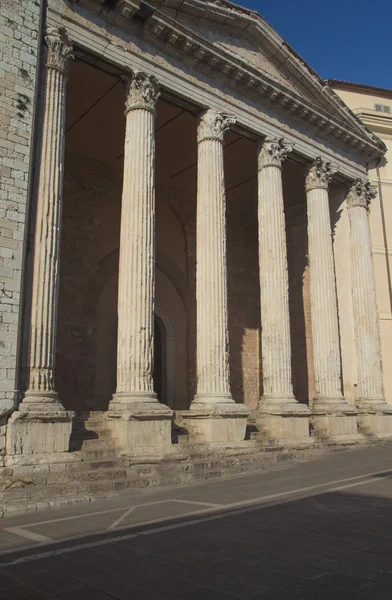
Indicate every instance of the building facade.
{"type": "Point", "coordinates": [374, 107]}
{"type": "Point", "coordinates": [185, 215]}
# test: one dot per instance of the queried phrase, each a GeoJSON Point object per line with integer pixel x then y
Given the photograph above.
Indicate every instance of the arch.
{"type": "Point", "coordinates": [172, 315]}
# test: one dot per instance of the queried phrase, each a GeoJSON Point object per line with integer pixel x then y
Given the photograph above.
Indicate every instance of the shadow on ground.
{"type": "Point", "coordinates": [331, 546]}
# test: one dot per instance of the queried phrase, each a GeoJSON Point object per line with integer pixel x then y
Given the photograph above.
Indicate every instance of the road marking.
{"type": "Point", "coordinates": [132, 508]}
{"type": "Point", "coordinates": [123, 516]}
{"type": "Point", "coordinates": [251, 505]}
{"type": "Point", "coordinates": [211, 504]}
{"type": "Point", "coordinates": [30, 535]}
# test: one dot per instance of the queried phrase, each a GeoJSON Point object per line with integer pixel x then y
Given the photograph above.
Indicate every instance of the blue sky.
{"type": "Point", "coordinates": [340, 39]}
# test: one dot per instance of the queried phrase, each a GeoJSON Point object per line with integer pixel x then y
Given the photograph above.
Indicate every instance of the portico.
{"type": "Point", "coordinates": [213, 218]}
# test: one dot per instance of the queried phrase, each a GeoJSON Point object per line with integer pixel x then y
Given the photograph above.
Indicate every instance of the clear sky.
{"type": "Point", "coordinates": [339, 39]}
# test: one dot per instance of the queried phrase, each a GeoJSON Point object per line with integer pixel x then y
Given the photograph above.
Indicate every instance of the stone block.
{"type": "Point", "coordinates": [285, 428]}
{"type": "Point", "coordinates": [216, 425]}
{"type": "Point", "coordinates": [335, 425]}
{"type": "Point", "coordinates": [38, 433]}
{"type": "Point", "coordinates": [378, 423]}
{"type": "Point", "coordinates": [144, 431]}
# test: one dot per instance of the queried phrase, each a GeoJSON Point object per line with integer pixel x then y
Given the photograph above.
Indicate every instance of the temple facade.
{"type": "Point", "coordinates": [187, 252]}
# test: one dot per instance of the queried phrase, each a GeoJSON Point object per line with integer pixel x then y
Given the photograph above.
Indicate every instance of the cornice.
{"type": "Point", "coordinates": [248, 80]}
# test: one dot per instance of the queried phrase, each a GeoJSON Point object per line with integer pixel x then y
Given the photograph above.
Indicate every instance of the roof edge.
{"type": "Point", "coordinates": [359, 86]}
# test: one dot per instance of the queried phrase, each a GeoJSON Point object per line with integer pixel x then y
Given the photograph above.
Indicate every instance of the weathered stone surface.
{"type": "Point", "coordinates": [213, 396]}
{"type": "Point", "coordinates": [139, 422]}
{"type": "Point", "coordinates": [18, 58]}
{"type": "Point", "coordinates": [278, 394]}
{"type": "Point", "coordinates": [370, 393]}
{"type": "Point", "coordinates": [324, 312]}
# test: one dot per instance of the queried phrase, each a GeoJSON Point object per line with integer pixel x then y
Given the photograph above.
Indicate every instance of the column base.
{"type": "Point", "coordinates": [374, 417]}
{"type": "Point", "coordinates": [216, 419]}
{"type": "Point", "coordinates": [141, 426]}
{"type": "Point", "coordinates": [37, 432]}
{"type": "Point", "coordinates": [334, 419]}
{"type": "Point", "coordinates": [283, 420]}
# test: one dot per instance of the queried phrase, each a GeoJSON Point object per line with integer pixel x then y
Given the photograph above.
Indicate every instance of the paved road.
{"type": "Point", "coordinates": [317, 530]}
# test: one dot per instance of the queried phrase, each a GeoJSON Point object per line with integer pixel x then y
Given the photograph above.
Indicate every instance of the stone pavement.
{"type": "Point", "coordinates": [321, 529]}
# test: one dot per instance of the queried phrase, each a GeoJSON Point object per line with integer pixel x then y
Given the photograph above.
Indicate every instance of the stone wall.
{"type": "Point", "coordinates": [18, 57]}
{"type": "Point", "coordinates": [91, 190]}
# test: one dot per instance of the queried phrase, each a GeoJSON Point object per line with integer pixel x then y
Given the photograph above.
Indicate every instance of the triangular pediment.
{"type": "Point", "coordinates": [239, 43]}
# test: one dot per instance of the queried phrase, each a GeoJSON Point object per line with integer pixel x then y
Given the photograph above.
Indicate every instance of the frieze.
{"type": "Point", "coordinates": [201, 54]}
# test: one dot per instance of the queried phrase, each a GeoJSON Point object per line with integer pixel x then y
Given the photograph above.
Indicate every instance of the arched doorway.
{"type": "Point", "coordinates": [106, 355]}
{"type": "Point", "coordinates": [164, 357]}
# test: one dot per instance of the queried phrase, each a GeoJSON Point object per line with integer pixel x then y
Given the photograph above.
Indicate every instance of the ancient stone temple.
{"type": "Point", "coordinates": [187, 261]}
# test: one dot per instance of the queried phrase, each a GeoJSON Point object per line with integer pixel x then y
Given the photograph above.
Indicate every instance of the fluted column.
{"type": "Point", "coordinates": [369, 371]}
{"type": "Point", "coordinates": [274, 286]}
{"type": "Point", "coordinates": [213, 375]}
{"type": "Point", "coordinates": [41, 393]}
{"type": "Point", "coordinates": [136, 262]}
{"type": "Point", "coordinates": [323, 299]}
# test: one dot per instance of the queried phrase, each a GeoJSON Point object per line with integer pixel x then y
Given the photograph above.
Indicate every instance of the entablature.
{"type": "Point", "coordinates": [190, 67]}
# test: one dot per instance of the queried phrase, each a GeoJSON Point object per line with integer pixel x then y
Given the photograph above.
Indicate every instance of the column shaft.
{"type": "Point", "coordinates": [213, 375]}
{"type": "Point", "coordinates": [136, 266]}
{"type": "Point", "coordinates": [370, 380]}
{"type": "Point", "coordinates": [41, 389]}
{"type": "Point", "coordinates": [274, 286]}
{"type": "Point", "coordinates": [325, 329]}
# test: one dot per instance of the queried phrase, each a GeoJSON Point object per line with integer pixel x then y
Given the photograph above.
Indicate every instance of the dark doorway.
{"type": "Point", "coordinates": [159, 372]}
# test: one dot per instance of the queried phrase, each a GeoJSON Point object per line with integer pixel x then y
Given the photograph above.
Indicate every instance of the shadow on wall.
{"type": "Point", "coordinates": [298, 271]}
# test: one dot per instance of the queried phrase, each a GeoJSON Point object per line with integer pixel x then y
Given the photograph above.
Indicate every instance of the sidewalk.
{"type": "Point", "coordinates": [320, 529]}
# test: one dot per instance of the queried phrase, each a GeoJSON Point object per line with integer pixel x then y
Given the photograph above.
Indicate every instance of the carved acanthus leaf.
{"type": "Point", "coordinates": [361, 194]}
{"type": "Point", "coordinates": [59, 49]}
{"type": "Point", "coordinates": [213, 125]}
{"type": "Point", "coordinates": [142, 91]}
{"type": "Point", "coordinates": [273, 153]}
{"type": "Point", "coordinates": [320, 174]}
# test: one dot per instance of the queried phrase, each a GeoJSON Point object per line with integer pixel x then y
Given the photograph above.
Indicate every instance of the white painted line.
{"type": "Point", "coordinates": [132, 508]}
{"type": "Point", "coordinates": [30, 535]}
{"type": "Point", "coordinates": [121, 519]}
{"type": "Point", "coordinates": [198, 503]}
{"type": "Point", "coordinates": [244, 502]}
{"type": "Point", "coordinates": [251, 506]}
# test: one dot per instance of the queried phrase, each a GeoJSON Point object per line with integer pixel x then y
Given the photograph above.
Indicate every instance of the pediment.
{"type": "Point", "coordinates": [239, 44]}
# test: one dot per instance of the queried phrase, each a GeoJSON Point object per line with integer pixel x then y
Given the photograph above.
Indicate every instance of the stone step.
{"type": "Point", "coordinates": [88, 454]}
{"type": "Point", "coordinates": [89, 426]}
{"type": "Point", "coordinates": [79, 488]}
{"type": "Point", "coordinates": [64, 477]}
{"type": "Point", "coordinates": [91, 444]}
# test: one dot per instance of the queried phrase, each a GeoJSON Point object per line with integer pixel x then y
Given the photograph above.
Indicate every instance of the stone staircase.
{"type": "Point", "coordinates": [98, 471]}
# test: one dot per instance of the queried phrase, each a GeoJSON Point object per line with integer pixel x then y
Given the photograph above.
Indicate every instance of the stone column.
{"type": "Point", "coordinates": [280, 415]}
{"type": "Point", "coordinates": [41, 425]}
{"type": "Point", "coordinates": [141, 423]}
{"type": "Point", "coordinates": [215, 414]}
{"type": "Point", "coordinates": [375, 415]}
{"type": "Point", "coordinates": [329, 403]}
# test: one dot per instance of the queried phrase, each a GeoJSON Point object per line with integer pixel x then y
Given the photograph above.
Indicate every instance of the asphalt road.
{"type": "Point", "coordinates": [315, 530]}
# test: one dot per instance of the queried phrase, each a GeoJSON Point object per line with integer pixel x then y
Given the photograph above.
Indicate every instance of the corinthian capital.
{"type": "Point", "coordinates": [59, 49]}
{"type": "Point", "coordinates": [361, 194]}
{"type": "Point", "coordinates": [142, 91]}
{"type": "Point", "coordinates": [273, 153]}
{"type": "Point", "coordinates": [320, 174]}
{"type": "Point", "coordinates": [213, 125]}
